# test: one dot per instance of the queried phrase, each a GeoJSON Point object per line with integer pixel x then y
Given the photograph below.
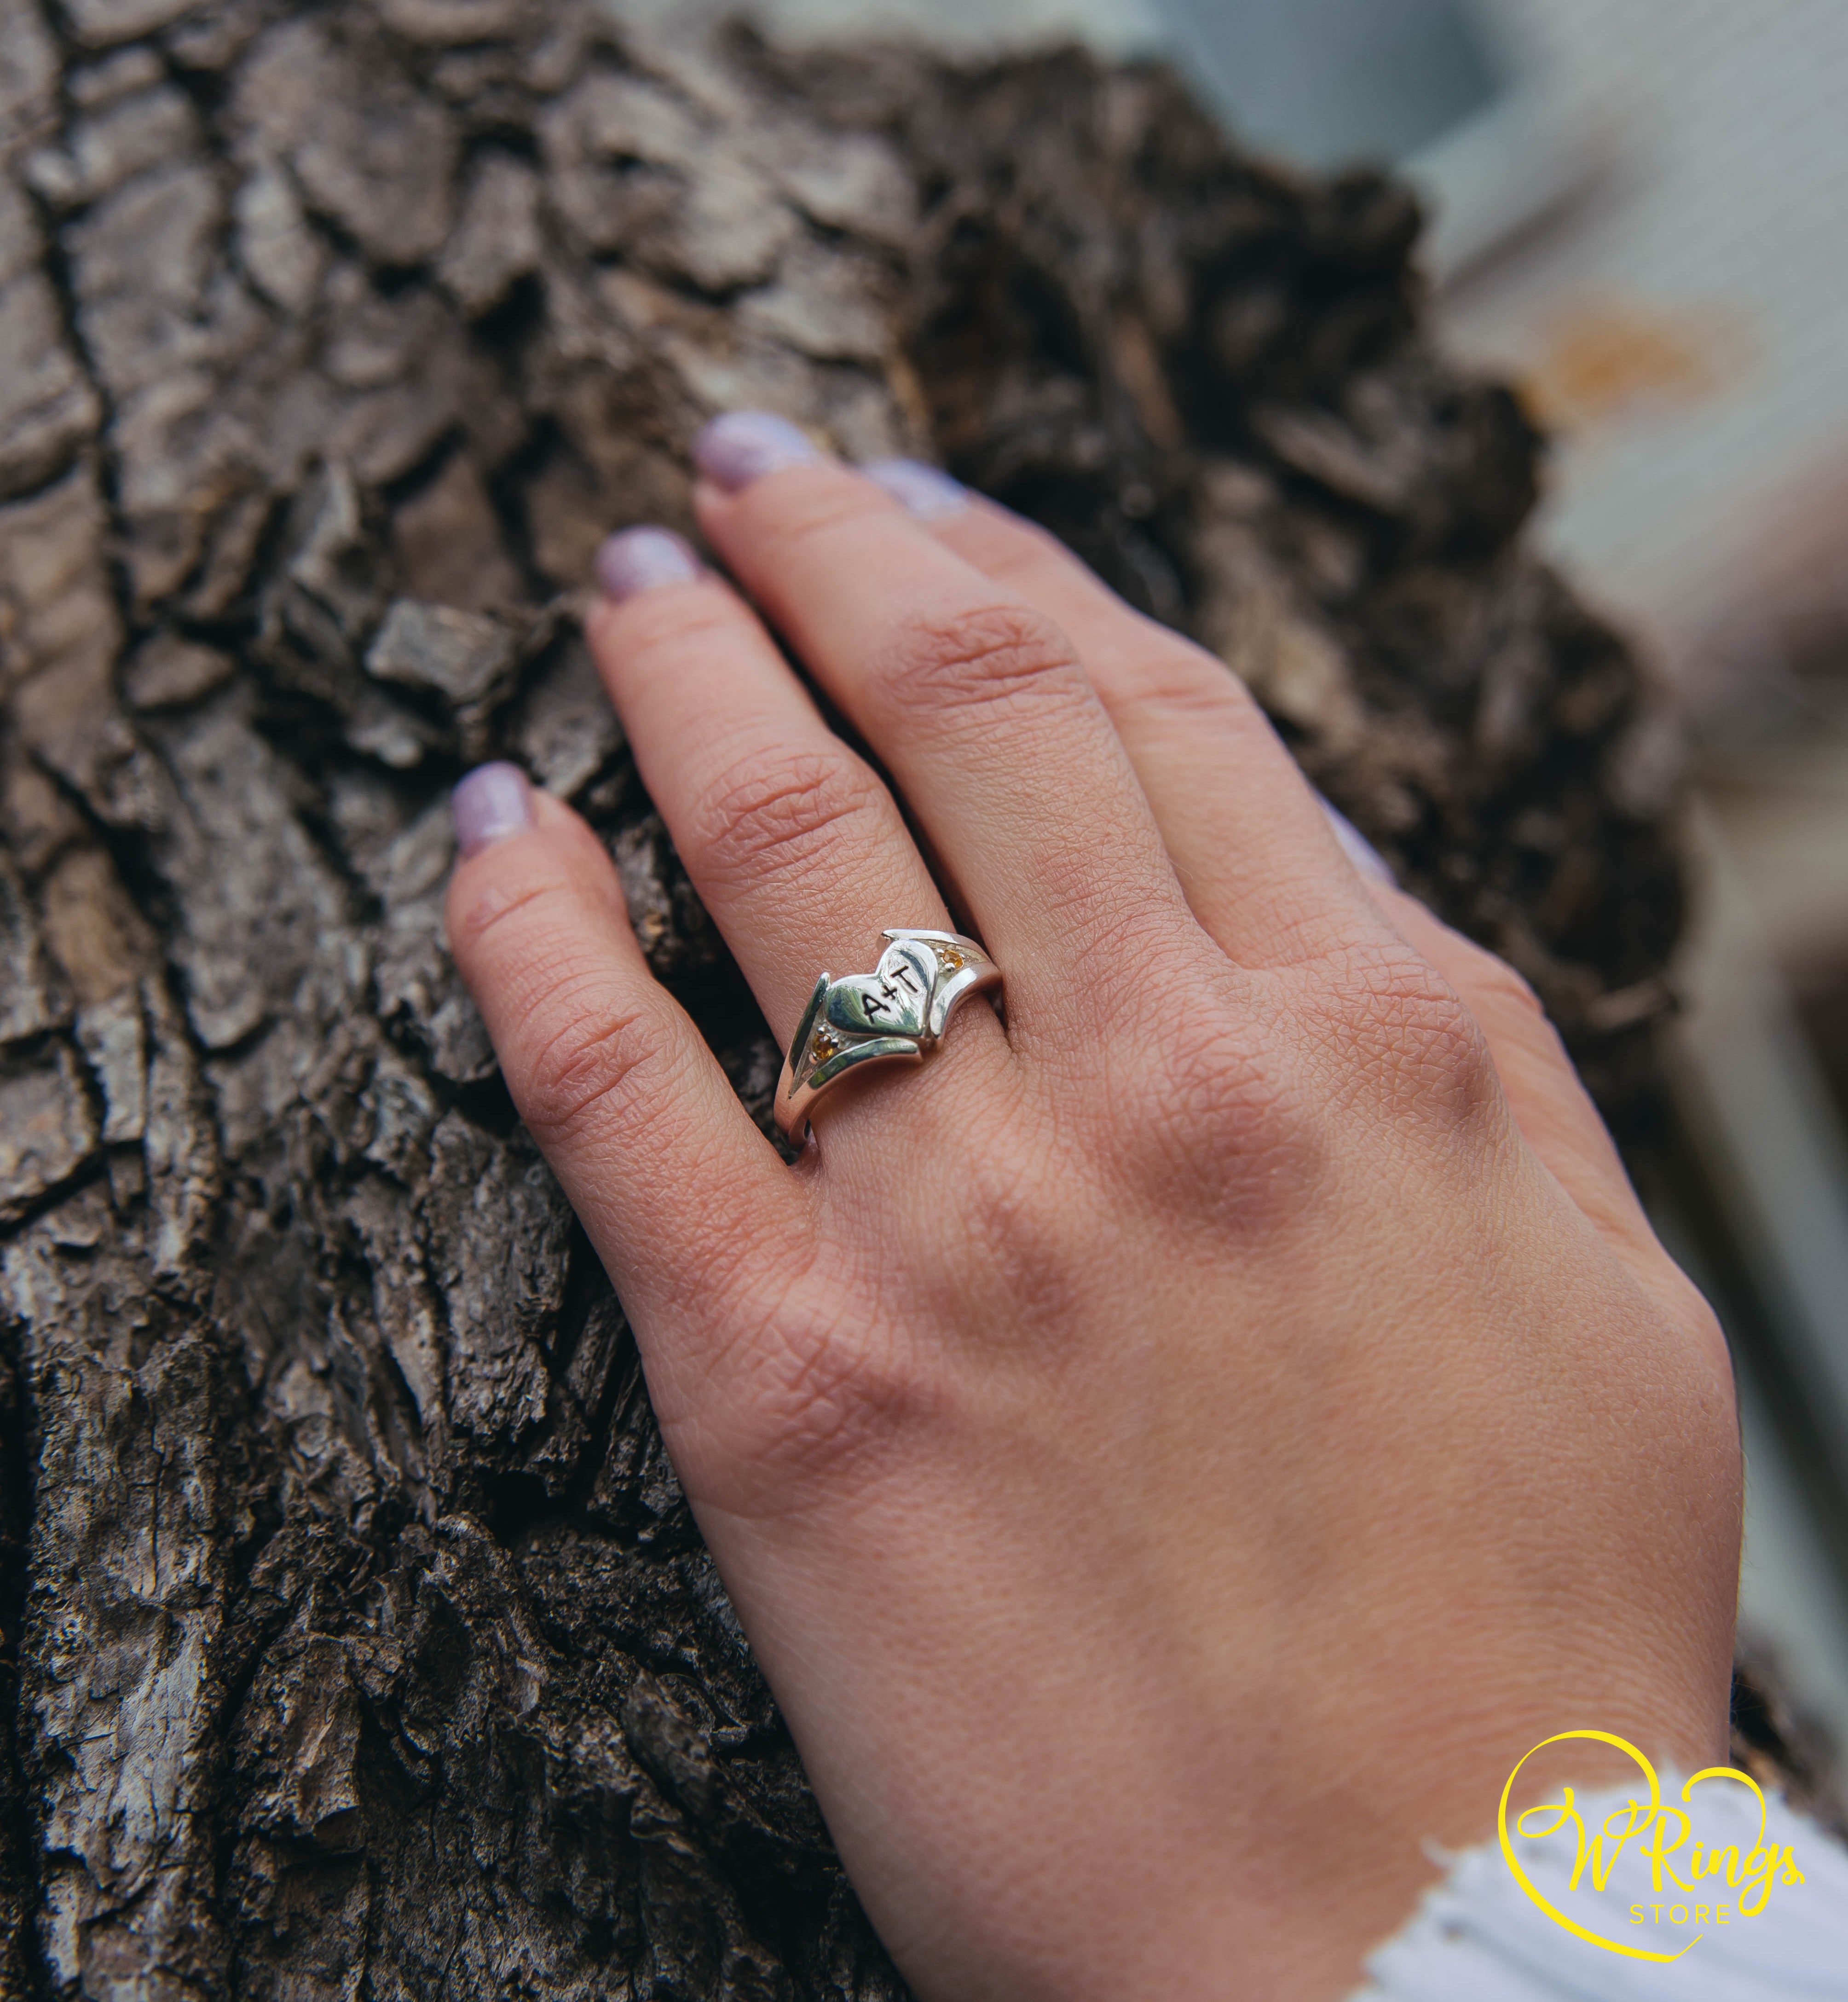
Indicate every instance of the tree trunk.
{"type": "Point", "coordinates": [356, 1637]}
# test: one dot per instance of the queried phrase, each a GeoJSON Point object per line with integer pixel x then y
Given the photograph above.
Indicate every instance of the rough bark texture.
{"type": "Point", "coordinates": [356, 1638]}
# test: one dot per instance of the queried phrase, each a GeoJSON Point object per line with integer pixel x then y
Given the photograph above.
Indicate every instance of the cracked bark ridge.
{"type": "Point", "coordinates": [355, 1638]}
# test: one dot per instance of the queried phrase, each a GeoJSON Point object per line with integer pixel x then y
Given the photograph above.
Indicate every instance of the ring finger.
{"type": "Point", "coordinates": [979, 707]}
{"type": "Point", "coordinates": [797, 848]}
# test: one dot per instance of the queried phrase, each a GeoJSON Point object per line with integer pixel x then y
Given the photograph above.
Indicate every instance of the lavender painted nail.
{"type": "Point", "coordinates": [1359, 850]}
{"type": "Point", "coordinates": [493, 802]}
{"type": "Point", "coordinates": [743, 446]}
{"type": "Point", "coordinates": [638, 559]}
{"type": "Point", "coordinates": [926, 491]}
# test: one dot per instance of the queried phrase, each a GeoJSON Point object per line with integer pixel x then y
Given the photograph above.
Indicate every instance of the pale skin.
{"type": "Point", "coordinates": [1174, 1453]}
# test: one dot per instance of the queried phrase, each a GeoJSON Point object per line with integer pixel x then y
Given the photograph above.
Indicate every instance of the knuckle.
{"type": "Point", "coordinates": [1406, 1029]}
{"type": "Point", "coordinates": [784, 815]}
{"type": "Point", "coordinates": [1026, 1218]}
{"type": "Point", "coordinates": [678, 623]}
{"type": "Point", "coordinates": [531, 901]}
{"type": "Point", "coordinates": [589, 1064]}
{"type": "Point", "coordinates": [828, 1389]}
{"type": "Point", "coordinates": [1220, 1082]}
{"type": "Point", "coordinates": [1175, 679]}
{"type": "Point", "coordinates": [481, 920]}
{"type": "Point", "coordinates": [804, 523]}
{"type": "Point", "coordinates": [998, 653]}
{"type": "Point", "coordinates": [1225, 1128]}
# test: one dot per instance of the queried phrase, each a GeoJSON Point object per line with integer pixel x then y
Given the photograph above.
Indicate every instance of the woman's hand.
{"type": "Point", "coordinates": [1172, 1455]}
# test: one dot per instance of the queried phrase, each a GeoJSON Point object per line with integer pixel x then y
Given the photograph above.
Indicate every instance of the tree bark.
{"type": "Point", "coordinates": [356, 1637]}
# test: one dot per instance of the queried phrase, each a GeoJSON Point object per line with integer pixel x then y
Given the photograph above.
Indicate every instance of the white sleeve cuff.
{"type": "Point", "coordinates": [1478, 1937]}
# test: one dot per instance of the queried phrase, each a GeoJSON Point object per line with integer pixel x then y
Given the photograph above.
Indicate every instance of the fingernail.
{"type": "Point", "coordinates": [637, 560]}
{"type": "Point", "coordinates": [1360, 851]}
{"type": "Point", "coordinates": [743, 445]}
{"type": "Point", "coordinates": [926, 491]}
{"type": "Point", "coordinates": [493, 802]}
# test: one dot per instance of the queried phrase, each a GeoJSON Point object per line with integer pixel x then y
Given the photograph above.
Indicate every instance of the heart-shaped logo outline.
{"type": "Point", "coordinates": [893, 1000]}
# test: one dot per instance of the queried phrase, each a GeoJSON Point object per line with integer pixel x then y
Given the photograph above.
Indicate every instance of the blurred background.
{"type": "Point", "coordinates": [1638, 213]}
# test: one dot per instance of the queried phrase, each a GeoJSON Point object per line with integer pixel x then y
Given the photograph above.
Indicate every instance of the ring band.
{"type": "Point", "coordinates": [896, 1013]}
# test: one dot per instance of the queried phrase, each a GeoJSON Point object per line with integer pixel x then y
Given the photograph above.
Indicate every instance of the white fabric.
{"type": "Point", "coordinates": [1477, 1937]}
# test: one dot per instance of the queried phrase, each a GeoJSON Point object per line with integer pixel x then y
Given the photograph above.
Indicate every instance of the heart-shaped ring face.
{"type": "Point", "coordinates": [895, 1001]}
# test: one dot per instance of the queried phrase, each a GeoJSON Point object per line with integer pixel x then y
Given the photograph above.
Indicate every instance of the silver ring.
{"type": "Point", "coordinates": [894, 1014]}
